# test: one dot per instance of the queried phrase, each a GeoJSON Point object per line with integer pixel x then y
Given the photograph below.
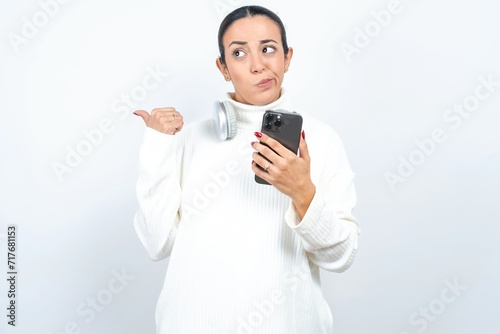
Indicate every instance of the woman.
{"type": "Point", "coordinates": [245, 257]}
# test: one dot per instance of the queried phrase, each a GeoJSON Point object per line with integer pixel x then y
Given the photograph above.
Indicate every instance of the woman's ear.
{"type": "Point", "coordinates": [288, 58]}
{"type": "Point", "coordinates": [223, 69]}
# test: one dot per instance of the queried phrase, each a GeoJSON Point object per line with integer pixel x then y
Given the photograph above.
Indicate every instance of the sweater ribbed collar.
{"type": "Point", "coordinates": [250, 116]}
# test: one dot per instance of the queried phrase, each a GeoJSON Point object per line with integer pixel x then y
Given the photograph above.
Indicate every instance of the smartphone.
{"type": "Point", "coordinates": [285, 127]}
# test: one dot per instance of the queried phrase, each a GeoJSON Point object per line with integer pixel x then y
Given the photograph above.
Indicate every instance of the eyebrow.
{"type": "Point", "coordinates": [264, 41]}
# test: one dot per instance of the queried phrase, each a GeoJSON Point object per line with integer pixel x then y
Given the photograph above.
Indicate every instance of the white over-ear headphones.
{"type": "Point", "coordinates": [224, 120]}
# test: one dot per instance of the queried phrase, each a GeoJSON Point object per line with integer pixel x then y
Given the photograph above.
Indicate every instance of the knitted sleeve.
{"type": "Point", "coordinates": [158, 193]}
{"type": "Point", "coordinates": [328, 231]}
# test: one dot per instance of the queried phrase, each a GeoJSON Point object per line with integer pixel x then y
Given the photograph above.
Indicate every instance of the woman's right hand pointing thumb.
{"type": "Point", "coordinates": [166, 120]}
{"type": "Point", "coordinates": [144, 115]}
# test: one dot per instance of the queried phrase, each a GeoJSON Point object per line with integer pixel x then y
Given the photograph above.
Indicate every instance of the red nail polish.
{"type": "Point", "coordinates": [303, 135]}
{"type": "Point", "coordinates": [252, 143]}
{"type": "Point", "coordinates": [258, 134]}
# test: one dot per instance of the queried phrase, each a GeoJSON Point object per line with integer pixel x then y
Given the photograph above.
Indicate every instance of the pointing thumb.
{"type": "Point", "coordinates": [144, 115]}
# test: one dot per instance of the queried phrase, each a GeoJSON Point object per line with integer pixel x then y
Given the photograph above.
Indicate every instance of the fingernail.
{"type": "Point", "coordinates": [258, 134]}
{"type": "Point", "coordinates": [303, 135]}
{"type": "Point", "coordinates": [135, 113]}
{"type": "Point", "coordinates": [252, 162]}
{"type": "Point", "coordinates": [252, 143]}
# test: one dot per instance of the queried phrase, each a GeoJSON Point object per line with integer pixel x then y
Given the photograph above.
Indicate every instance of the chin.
{"type": "Point", "coordinates": [266, 97]}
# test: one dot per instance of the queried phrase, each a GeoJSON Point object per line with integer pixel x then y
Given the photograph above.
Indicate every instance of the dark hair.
{"type": "Point", "coordinates": [249, 11]}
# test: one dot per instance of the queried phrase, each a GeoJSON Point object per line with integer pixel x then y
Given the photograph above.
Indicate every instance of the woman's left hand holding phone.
{"type": "Point", "coordinates": [286, 171]}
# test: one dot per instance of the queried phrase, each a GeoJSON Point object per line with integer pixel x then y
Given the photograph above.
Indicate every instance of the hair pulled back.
{"type": "Point", "coordinates": [249, 11]}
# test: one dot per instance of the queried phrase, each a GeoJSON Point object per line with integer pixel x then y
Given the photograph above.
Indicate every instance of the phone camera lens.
{"type": "Point", "coordinates": [277, 122]}
{"type": "Point", "coordinates": [269, 125]}
{"type": "Point", "coordinates": [269, 118]}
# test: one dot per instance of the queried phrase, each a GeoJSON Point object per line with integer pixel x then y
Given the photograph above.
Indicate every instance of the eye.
{"type": "Point", "coordinates": [269, 49]}
{"type": "Point", "coordinates": [238, 53]}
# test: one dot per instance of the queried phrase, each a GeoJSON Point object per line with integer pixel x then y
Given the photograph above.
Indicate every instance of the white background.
{"type": "Point", "coordinates": [437, 227]}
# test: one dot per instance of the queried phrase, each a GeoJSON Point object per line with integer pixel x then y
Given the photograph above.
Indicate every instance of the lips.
{"type": "Point", "coordinates": [264, 83]}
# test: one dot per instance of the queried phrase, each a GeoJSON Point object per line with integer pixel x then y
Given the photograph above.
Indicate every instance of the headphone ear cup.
{"type": "Point", "coordinates": [225, 120]}
{"type": "Point", "coordinates": [231, 118]}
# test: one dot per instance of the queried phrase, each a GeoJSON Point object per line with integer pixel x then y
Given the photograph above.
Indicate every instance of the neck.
{"type": "Point", "coordinates": [250, 116]}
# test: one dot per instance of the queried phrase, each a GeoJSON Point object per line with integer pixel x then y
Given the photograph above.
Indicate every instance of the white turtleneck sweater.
{"type": "Point", "coordinates": [241, 260]}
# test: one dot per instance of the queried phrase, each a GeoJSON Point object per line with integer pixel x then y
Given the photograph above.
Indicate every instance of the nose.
{"type": "Point", "coordinates": [256, 63]}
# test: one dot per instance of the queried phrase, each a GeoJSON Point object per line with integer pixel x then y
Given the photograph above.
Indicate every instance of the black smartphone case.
{"type": "Point", "coordinates": [288, 132]}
